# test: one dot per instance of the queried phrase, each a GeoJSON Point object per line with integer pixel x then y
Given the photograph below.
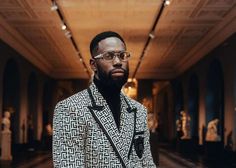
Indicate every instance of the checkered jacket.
{"type": "Point", "coordinates": [85, 133]}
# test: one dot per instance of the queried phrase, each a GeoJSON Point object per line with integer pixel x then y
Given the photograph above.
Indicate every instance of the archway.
{"type": "Point", "coordinates": [193, 105]}
{"type": "Point", "coordinates": [166, 115]}
{"type": "Point", "coordinates": [178, 98]}
{"type": "Point", "coordinates": [11, 96]}
{"type": "Point", "coordinates": [178, 107]}
{"type": "Point", "coordinates": [47, 102]}
{"type": "Point", "coordinates": [47, 107]}
{"type": "Point", "coordinates": [32, 115]}
{"type": "Point", "coordinates": [215, 96]}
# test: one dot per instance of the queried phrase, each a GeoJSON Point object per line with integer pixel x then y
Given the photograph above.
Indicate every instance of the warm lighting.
{"type": "Point", "coordinates": [63, 27]}
{"type": "Point", "coordinates": [54, 6]}
{"type": "Point", "coordinates": [151, 35]}
{"type": "Point", "coordinates": [131, 88]}
{"type": "Point", "coordinates": [167, 2]}
{"type": "Point", "coordinates": [68, 34]}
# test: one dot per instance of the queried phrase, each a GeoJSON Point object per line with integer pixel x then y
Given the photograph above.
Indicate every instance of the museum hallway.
{"type": "Point", "coordinates": [182, 68]}
{"type": "Point", "coordinates": [44, 160]}
{"type": "Point", "coordinates": [168, 158]}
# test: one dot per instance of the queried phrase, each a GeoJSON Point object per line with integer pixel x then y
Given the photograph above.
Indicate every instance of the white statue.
{"type": "Point", "coordinates": [185, 119]}
{"type": "Point", "coordinates": [49, 129]}
{"type": "Point", "coordinates": [152, 122]}
{"type": "Point", "coordinates": [212, 134]}
{"type": "Point", "coordinates": [6, 121]}
{"type": "Point", "coordinates": [6, 137]}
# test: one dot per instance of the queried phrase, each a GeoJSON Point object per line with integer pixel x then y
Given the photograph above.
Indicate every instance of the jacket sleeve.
{"type": "Point", "coordinates": [67, 138]}
{"type": "Point", "coordinates": [147, 158]}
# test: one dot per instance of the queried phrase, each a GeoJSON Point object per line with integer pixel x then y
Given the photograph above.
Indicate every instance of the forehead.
{"type": "Point", "coordinates": [111, 44]}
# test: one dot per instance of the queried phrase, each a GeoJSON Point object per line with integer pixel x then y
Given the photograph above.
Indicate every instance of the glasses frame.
{"type": "Point", "coordinates": [100, 56]}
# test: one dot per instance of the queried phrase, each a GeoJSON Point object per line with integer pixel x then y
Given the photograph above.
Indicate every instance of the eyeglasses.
{"type": "Point", "coordinates": [110, 55]}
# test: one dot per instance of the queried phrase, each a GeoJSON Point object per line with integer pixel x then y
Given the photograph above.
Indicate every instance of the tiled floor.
{"type": "Point", "coordinates": [170, 158]}
{"type": "Point", "coordinates": [167, 159]}
{"type": "Point", "coordinates": [39, 159]}
{"type": "Point", "coordinates": [44, 160]}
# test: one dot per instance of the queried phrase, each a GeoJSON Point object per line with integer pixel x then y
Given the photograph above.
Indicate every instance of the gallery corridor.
{"type": "Point", "coordinates": [44, 160]}
{"type": "Point", "coordinates": [182, 68]}
{"type": "Point", "coordinates": [167, 159]}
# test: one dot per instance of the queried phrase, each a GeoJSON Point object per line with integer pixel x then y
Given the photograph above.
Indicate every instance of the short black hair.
{"type": "Point", "coordinates": [102, 36]}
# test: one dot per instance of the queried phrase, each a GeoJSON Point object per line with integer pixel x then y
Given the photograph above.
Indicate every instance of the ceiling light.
{"type": "Point", "coordinates": [167, 2]}
{"type": "Point", "coordinates": [151, 35]}
{"type": "Point", "coordinates": [63, 27]}
{"type": "Point", "coordinates": [54, 6]}
{"type": "Point", "coordinates": [68, 34]}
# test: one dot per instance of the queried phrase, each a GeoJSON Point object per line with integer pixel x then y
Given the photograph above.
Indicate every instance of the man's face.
{"type": "Point", "coordinates": [114, 72]}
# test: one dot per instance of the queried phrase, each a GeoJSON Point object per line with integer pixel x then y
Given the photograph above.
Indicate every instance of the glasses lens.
{"type": "Point", "coordinates": [124, 56]}
{"type": "Point", "coordinates": [108, 55]}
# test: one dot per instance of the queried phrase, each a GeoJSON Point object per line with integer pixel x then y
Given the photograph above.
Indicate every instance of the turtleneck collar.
{"type": "Point", "coordinates": [105, 90]}
{"type": "Point", "coordinates": [112, 97]}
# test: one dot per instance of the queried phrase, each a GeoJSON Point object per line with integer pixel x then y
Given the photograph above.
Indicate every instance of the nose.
{"type": "Point", "coordinates": [117, 61]}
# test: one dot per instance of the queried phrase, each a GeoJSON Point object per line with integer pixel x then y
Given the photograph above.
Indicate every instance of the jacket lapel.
{"type": "Point", "coordinates": [120, 141]}
{"type": "Point", "coordinates": [102, 111]}
{"type": "Point", "coordinates": [103, 116]}
{"type": "Point", "coordinates": [127, 125]}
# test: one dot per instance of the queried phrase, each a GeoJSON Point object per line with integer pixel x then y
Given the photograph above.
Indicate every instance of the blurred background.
{"type": "Point", "coordinates": [183, 69]}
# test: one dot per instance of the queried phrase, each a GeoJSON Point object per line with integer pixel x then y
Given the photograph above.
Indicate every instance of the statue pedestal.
{"type": "Point", "coordinates": [186, 146]}
{"type": "Point", "coordinates": [6, 145]}
{"type": "Point", "coordinates": [213, 150]}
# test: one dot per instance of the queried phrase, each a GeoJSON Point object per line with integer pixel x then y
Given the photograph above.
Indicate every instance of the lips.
{"type": "Point", "coordinates": [117, 71]}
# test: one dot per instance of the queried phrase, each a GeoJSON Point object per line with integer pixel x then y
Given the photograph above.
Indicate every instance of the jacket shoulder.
{"type": "Point", "coordinates": [135, 103]}
{"type": "Point", "coordinates": [74, 100]}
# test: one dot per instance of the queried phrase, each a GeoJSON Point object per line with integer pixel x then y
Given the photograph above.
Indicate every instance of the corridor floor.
{"type": "Point", "coordinates": [44, 160]}
{"type": "Point", "coordinates": [167, 159]}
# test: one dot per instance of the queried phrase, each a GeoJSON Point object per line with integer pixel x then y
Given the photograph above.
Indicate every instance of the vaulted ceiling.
{"type": "Point", "coordinates": [185, 32]}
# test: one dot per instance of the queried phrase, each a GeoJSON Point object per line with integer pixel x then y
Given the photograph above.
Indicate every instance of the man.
{"type": "Point", "coordinates": [100, 126]}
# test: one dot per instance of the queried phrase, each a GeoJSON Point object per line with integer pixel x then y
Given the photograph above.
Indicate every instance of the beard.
{"type": "Point", "coordinates": [112, 82]}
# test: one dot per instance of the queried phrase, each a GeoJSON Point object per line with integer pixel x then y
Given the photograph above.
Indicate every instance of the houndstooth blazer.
{"type": "Point", "coordinates": [85, 133]}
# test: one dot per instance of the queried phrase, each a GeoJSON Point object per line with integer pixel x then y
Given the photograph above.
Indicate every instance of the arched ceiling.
{"type": "Point", "coordinates": [186, 31]}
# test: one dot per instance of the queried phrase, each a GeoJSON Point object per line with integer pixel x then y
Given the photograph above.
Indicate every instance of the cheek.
{"type": "Point", "coordinates": [126, 66]}
{"type": "Point", "coordinates": [104, 68]}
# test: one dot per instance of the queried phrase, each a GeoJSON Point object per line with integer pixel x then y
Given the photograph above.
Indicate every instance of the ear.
{"type": "Point", "coordinates": [93, 65]}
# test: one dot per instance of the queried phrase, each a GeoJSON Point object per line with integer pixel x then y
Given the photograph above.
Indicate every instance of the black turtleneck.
{"type": "Point", "coordinates": [112, 97]}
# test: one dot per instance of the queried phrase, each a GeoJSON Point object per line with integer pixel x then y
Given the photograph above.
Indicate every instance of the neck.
{"type": "Point", "coordinates": [106, 90]}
